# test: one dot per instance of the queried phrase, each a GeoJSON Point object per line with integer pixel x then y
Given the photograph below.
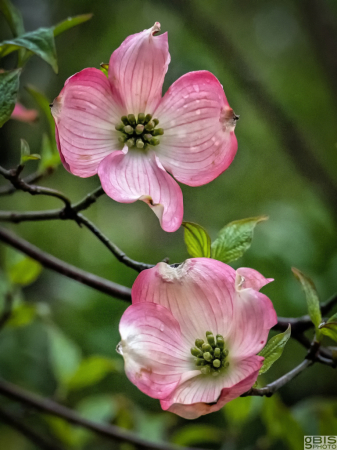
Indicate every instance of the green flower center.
{"type": "Point", "coordinates": [210, 355]}
{"type": "Point", "coordinates": [139, 132]}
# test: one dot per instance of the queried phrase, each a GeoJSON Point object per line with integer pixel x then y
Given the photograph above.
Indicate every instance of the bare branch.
{"type": "Point", "coordinates": [71, 212]}
{"type": "Point", "coordinates": [50, 262]}
{"type": "Point", "coordinates": [271, 388]}
{"type": "Point", "coordinates": [50, 407]}
{"type": "Point", "coordinates": [121, 256]}
{"type": "Point", "coordinates": [29, 179]}
{"type": "Point", "coordinates": [39, 441]}
{"type": "Point", "coordinates": [13, 176]}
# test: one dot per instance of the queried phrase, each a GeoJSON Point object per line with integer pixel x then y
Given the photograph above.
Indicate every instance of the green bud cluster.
{"type": "Point", "coordinates": [210, 354]}
{"type": "Point", "coordinates": [139, 132]}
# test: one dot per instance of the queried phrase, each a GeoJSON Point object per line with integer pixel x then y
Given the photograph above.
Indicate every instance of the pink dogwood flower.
{"type": "Point", "coordinates": [192, 334]}
{"type": "Point", "coordinates": [121, 128]}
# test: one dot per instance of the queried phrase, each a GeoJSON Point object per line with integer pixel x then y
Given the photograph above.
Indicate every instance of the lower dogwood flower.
{"type": "Point", "coordinates": [121, 128]}
{"type": "Point", "coordinates": [192, 334]}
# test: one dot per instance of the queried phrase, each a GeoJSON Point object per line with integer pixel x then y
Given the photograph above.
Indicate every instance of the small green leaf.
{"type": "Point", "coordinates": [70, 23]}
{"type": "Point", "coordinates": [25, 153]}
{"type": "Point", "coordinates": [329, 328]}
{"type": "Point", "coordinates": [13, 17]}
{"type": "Point", "coordinates": [235, 239]}
{"type": "Point", "coordinates": [65, 355]}
{"type": "Point", "coordinates": [22, 315]}
{"type": "Point", "coordinates": [99, 408]}
{"type": "Point", "coordinates": [24, 272]}
{"type": "Point", "coordinates": [40, 42]}
{"type": "Point", "coordinates": [197, 240]}
{"type": "Point", "coordinates": [274, 349]}
{"type": "Point", "coordinates": [9, 86]}
{"type": "Point", "coordinates": [311, 297]}
{"type": "Point", "coordinates": [92, 370]}
{"type": "Point", "coordinates": [105, 69]}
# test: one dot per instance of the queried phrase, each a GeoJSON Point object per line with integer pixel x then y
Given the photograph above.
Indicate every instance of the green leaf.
{"type": "Point", "coordinates": [235, 239]}
{"type": "Point", "coordinates": [311, 297]}
{"type": "Point", "coordinates": [197, 434]}
{"type": "Point", "coordinates": [40, 42]}
{"type": "Point", "coordinates": [22, 315]}
{"type": "Point", "coordinates": [70, 23]}
{"type": "Point", "coordinates": [92, 370]}
{"type": "Point", "coordinates": [23, 272]}
{"type": "Point", "coordinates": [274, 349]}
{"type": "Point", "coordinates": [197, 240]}
{"type": "Point", "coordinates": [329, 328]}
{"type": "Point", "coordinates": [238, 410]}
{"type": "Point", "coordinates": [13, 17]}
{"type": "Point", "coordinates": [9, 86]}
{"type": "Point", "coordinates": [65, 355]}
{"type": "Point", "coordinates": [25, 153]}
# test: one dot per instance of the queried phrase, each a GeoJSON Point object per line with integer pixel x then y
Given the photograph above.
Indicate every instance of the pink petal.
{"type": "Point", "coordinates": [23, 114]}
{"type": "Point", "coordinates": [85, 116]}
{"type": "Point", "coordinates": [137, 176]}
{"type": "Point", "coordinates": [199, 293]}
{"type": "Point", "coordinates": [254, 314]}
{"type": "Point", "coordinates": [152, 349]}
{"type": "Point", "coordinates": [250, 278]}
{"type": "Point", "coordinates": [198, 142]}
{"type": "Point", "coordinates": [137, 70]}
{"type": "Point", "coordinates": [197, 396]}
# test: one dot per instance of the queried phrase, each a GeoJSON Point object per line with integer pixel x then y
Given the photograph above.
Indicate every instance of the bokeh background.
{"type": "Point", "coordinates": [278, 65]}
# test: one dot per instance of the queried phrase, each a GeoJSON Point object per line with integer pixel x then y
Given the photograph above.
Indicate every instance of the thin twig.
{"type": "Point", "coordinates": [303, 323]}
{"type": "Point", "coordinates": [50, 262]}
{"type": "Point", "coordinates": [29, 179]}
{"type": "Point", "coordinates": [121, 256]}
{"type": "Point", "coordinates": [13, 176]}
{"type": "Point", "coordinates": [72, 213]}
{"type": "Point", "coordinates": [271, 388]}
{"type": "Point", "coordinates": [50, 407]}
{"type": "Point", "coordinates": [31, 435]}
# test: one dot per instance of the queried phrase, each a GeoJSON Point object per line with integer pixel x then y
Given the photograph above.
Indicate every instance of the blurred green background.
{"type": "Point", "coordinates": [282, 81]}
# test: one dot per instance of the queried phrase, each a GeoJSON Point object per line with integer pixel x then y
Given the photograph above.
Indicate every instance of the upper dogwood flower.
{"type": "Point", "coordinates": [121, 128]}
{"type": "Point", "coordinates": [191, 335]}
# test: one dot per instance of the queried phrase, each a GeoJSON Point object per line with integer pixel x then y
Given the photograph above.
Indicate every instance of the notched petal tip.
{"type": "Point", "coordinates": [249, 278]}
{"type": "Point", "coordinates": [155, 29]}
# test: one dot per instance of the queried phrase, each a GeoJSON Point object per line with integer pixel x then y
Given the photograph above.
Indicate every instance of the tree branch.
{"type": "Point", "coordinates": [50, 407]}
{"type": "Point", "coordinates": [13, 176]}
{"type": "Point", "coordinates": [121, 256]}
{"type": "Point", "coordinates": [294, 143]}
{"type": "Point", "coordinates": [71, 212]}
{"type": "Point", "coordinates": [39, 441]}
{"type": "Point", "coordinates": [32, 178]}
{"type": "Point", "coordinates": [271, 388]}
{"type": "Point", "coordinates": [50, 262]}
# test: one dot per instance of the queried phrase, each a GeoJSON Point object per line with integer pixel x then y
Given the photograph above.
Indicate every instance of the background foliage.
{"type": "Point", "coordinates": [61, 340]}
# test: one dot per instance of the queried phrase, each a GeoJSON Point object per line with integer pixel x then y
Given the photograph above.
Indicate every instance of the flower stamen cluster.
{"type": "Point", "coordinates": [210, 356]}
{"type": "Point", "coordinates": [139, 132]}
